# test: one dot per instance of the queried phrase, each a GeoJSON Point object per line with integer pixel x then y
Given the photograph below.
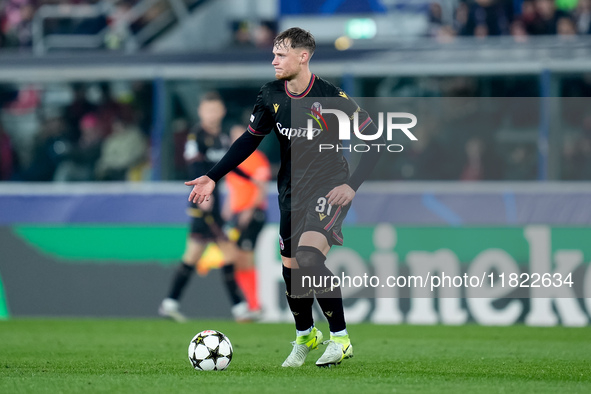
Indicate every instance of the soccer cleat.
{"type": "Point", "coordinates": [170, 308]}
{"type": "Point", "coordinates": [301, 347]}
{"type": "Point", "coordinates": [255, 314]}
{"type": "Point", "coordinates": [338, 349]}
{"type": "Point", "coordinates": [241, 313]}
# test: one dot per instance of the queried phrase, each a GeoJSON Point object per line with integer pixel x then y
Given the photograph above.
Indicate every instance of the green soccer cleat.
{"type": "Point", "coordinates": [301, 347]}
{"type": "Point", "coordinates": [338, 349]}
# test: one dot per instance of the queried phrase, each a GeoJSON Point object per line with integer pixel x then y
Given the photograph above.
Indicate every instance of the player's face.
{"type": "Point", "coordinates": [211, 113]}
{"type": "Point", "coordinates": [287, 61]}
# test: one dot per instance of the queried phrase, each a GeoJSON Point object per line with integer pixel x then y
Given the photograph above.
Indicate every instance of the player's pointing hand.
{"type": "Point", "coordinates": [202, 189]}
{"type": "Point", "coordinates": [341, 195]}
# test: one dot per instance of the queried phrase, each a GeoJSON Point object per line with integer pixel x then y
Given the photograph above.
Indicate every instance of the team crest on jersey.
{"type": "Point", "coordinates": [316, 114]}
{"type": "Point", "coordinates": [317, 109]}
{"type": "Point", "coordinates": [281, 244]}
{"type": "Point", "coordinates": [275, 107]}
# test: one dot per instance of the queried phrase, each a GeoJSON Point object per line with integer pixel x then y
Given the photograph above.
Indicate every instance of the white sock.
{"type": "Point", "coordinates": [305, 332]}
{"type": "Point", "coordinates": [339, 333]}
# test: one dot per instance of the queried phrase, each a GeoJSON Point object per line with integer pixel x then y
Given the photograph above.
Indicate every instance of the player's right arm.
{"type": "Point", "coordinates": [261, 124]}
{"type": "Point", "coordinates": [238, 152]}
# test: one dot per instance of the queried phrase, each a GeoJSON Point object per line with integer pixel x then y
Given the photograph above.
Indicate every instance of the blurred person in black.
{"type": "Point", "coordinates": [205, 146]}
{"type": "Point", "coordinates": [76, 110]}
{"type": "Point", "coordinates": [7, 158]}
{"type": "Point", "coordinates": [50, 146]}
{"type": "Point", "coordinates": [546, 22]}
{"type": "Point", "coordinates": [490, 16]}
{"type": "Point", "coordinates": [79, 161]}
{"type": "Point", "coordinates": [315, 189]}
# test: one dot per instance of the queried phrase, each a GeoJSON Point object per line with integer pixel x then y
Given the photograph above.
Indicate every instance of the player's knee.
{"type": "Point", "coordinates": [309, 257]}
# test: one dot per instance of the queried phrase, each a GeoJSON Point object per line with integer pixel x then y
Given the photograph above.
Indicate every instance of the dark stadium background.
{"type": "Point", "coordinates": [513, 156]}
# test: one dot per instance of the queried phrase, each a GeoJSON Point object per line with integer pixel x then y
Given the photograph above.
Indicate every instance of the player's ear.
{"type": "Point", "coordinates": [304, 57]}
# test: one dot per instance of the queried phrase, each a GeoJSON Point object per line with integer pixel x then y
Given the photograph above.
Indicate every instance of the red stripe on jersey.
{"type": "Point", "coordinates": [253, 131]}
{"type": "Point", "coordinates": [334, 219]}
{"type": "Point", "coordinates": [364, 125]}
{"type": "Point", "coordinates": [305, 92]}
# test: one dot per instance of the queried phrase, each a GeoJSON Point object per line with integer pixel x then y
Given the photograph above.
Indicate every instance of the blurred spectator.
{"type": "Point", "coordinates": [481, 31]}
{"type": "Point", "coordinates": [6, 156]}
{"type": "Point", "coordinates": [483, 18]}
{"type": "Point", "coordinates": [123, 149]}
{"type": "Point", "coordinates": [241, 37]}
{"type": "Point", "coordinates": [118, 29]}
{"type": "Point", "coordinates": [76, 110]}
{"type": "Point", "coordinates": [547, 17]}
{"type": "Point", "coordinates": [264, 35]}
{"type": "Point", "coordinates": [481, 162]}
{"type": "Point", "coordinates": [518, 31]}
{"type": "Point", "coordinates": [528, 16]}
{"type": "Point", "coordinates": [489, 13]}
{"type": "Point", "coordinates": [109, 109]}
{"type": "Point", "coordinates": [565, 27]}
{"type": "Point", "coordinates": [435, 18]}
{"type": "Point", "coordinates": [461, 15]}
{"type": "Point", "coordinates": [78, 163]}
{"type": "Point", "coordinates": [50, 146]}
{"type": "Point", "coordinates": [261, 36]}
{"type": "Point", "coordinates": [142, 104]}
{"type": "Point", "coordinates": [19, 28]}
{"type": "Point", "coordinates": [582, 16]}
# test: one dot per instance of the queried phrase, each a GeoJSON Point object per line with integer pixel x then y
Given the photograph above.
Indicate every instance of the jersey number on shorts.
{"type": "Point", "coordinates": [322, 205]}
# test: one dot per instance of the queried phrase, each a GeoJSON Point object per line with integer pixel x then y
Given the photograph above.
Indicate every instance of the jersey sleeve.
{"type": "Point", "coordinates": [350, 107]}
{"type": "Point", "coordinates": [366, 126]}
{"type": "Point", "coordinates": [261, 120]}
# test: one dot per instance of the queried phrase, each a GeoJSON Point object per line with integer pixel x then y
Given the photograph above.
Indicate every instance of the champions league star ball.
{"type": "Point", "coordinates": [210, 350]}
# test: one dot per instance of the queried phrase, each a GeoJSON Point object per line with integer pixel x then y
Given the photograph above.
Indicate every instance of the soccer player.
{"type": "Point", "coordinates": [315, 189]}
{"type": "Point", "coordinates": [205, 145]}
{"type": "Point", "coordinates": [247, 204]}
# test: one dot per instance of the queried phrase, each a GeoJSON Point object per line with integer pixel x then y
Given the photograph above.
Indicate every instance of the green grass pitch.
{"type": "Point", "coordinates": [150, 356]}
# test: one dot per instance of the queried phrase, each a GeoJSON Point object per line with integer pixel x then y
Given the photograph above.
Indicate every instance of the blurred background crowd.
{"type": "Point", "coordinates": [112, 129]}
{"type": "Point", "coordinates": [479, 18]}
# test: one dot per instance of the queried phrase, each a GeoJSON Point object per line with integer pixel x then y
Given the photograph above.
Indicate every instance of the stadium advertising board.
{"type": "Point", "coordinates": [537, 275]}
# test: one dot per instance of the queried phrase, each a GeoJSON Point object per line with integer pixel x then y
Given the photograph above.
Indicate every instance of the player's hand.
{"type": "Point", "coordinates": [341, 195]}
{"type": "Point", "coordinates": [202, 189]}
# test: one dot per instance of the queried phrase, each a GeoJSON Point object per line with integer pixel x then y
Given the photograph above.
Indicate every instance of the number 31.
{"type": "Point", "coordinates": [322, 204]}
